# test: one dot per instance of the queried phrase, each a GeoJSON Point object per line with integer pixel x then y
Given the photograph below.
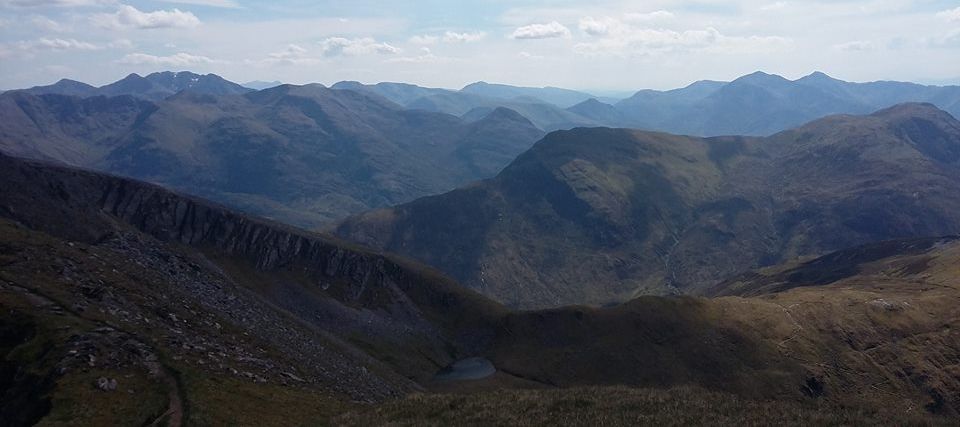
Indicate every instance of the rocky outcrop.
{"type": "Point", "coordinates": [352, 291]}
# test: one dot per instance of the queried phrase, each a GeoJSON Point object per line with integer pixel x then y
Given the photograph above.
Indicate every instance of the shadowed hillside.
{"type": "Point", "coordinates": [601, 215]}
{"type": "Point", "coordinates": [123, 295]}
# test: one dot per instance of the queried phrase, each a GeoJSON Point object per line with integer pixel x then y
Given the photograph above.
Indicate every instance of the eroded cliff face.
{"type": "Point", "coordinates": [388, 305]}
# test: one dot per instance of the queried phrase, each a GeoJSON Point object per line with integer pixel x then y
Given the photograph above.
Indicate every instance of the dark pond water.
{"type": "Point", "coordinates": [473, 368]}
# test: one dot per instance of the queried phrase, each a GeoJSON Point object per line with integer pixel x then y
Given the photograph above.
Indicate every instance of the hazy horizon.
{"type": "Point", "coordinates": [614, 93]}
{"type": "Point", "coordinates": [607, 45]}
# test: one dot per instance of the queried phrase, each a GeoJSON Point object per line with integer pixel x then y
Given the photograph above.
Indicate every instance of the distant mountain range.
{"type": "Point", "coordinates": [305, 155]}
{"type": "Point", "coordinates": [756, 104]}
{"type": "Point", "coordinates": [155, 86]}
{"type": "Point", "coordinates": [762, 104]}
{"type": "Point", "coordinates": [603, 215]}
{"type": "Point", "coordinates": [355, 147]}
{"type": "Point", "coordinates": [543, 106]}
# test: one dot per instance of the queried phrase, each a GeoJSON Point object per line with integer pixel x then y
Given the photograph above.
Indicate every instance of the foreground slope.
{"type": "Point", "coordinates": [193, 295]}
{"type": "Point", "coordinates": [302, 154]}
{"type": "Point", "coordinates": [193, 314]}
{"type": "Point", "coordinates": [876, 343]}
{"type": "Point", "coordinates": [600, 215]}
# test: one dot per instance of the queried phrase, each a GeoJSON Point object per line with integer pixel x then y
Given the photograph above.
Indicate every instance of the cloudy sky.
{"type": "Point", "coordinates": [596, 45]}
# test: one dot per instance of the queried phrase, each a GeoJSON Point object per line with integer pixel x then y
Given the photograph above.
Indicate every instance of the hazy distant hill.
{"type": "Point", "coordinates": [154, 86]}
{"type": "Point", "coordinates": [401, 93]}
{"type": "Point", "coordinates": [302, 154]}
{"type": "Point", "coordinates": [560, 97]}
{"type": "Point", "coordinates": [474, 104]}
{"type": "Point", "coordinates": [756, 104]}
{"type": "Point", "coordinates": [601, 215]}
{"type": "Point", "coordinates": [763, 104]}
{"type": "Point", "coordinates": [65, 87]}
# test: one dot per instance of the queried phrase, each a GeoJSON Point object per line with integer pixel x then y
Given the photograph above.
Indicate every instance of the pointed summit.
{"type": "Point", "coordinates": [817, 76]}
{"type": "Point", "coordinates": [760, 77]}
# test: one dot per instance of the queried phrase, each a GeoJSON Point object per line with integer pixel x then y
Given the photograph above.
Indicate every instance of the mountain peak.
{"type": "Point", "coordinates": [592, 102]}
{"type": "Point", "coordinates": [504, 113]}
{"type": "Point", "coordinates": [69, 81]}
{"type": "Point", "coordinates": [477, 83]}
{"type": "Point", "coordinates": [760, 76]}
{"type": "Point", "coordinates": [347, 84]}
{"type": "Point", "coordinates": [704, 83]}
{"type": "Point", "coordinates": [912, 109]}
{"type": "Point", "coordinates": [817, 76]}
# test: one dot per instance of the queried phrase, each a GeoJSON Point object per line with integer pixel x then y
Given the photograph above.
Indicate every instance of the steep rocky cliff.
{"type": "Point", "coordinates": [379, 301]}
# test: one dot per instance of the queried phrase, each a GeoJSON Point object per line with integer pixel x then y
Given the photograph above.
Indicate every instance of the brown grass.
{"type": "Point", "coordinates": [596, 406]}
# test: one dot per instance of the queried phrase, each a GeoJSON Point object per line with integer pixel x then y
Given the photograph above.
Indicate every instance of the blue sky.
{"type": "Point", "coordinates": [597, 45]}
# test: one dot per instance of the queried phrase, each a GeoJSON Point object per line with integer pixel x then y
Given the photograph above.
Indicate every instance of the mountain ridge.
{"type": "Point", "coordinates": [154, 86]}
{"type": "Point", "coordinates": [286, 318]}
{"type": "Point", "coordinates": [254, 151]}
{"type": "Point", "coordinates": [601, 215]}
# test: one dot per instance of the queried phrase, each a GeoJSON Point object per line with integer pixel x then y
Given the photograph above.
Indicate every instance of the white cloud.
{"type": "Point", "coordinates": [176, 60]}
{"type": "Point", "coordinates": [448, 37]}
{"type": "Point", "coordinates": [54, 3]}
{"type": "Point", "coordinates": [607, 25]}
{"type": "Point", "coordinates": [644, 41]}
{"type": "Point", "coordinates": [780, 5]}
{"type": "Point", "coordinates": [951, 40]}
{"type": "Point", "coordinates": [597, 27]}
{"type": "Point", "coordinates": [424, 39]}
{"type": "Point", "coordinates": [452, 37]}
{"type": "Point", "coordinates": [541, 31]}
{"type": "Point", "coordinates": [854, 46]}
{"type": "Point", "coordinates": [131, 17]}
{"type": "Point", "coordinates": [951, 15]}
{"type": "Point", "coordinates": [292, 51]}
{"type": "Point", "coordinates": [227, 4]}
{"type": "Point", "coordinates": [633, 35]}
{"type": "Point", "coordinates": [291, 55]}
{"type": "Point", "coordinates": [337, 46]}
{"type": "Point", "coordinates": [642, 18]}
{"type": "Point", "coordinates": [47, 24]}
{"type": "Point", "coordinates": [120, 44]}
{"type": "Point", "coordinates": [56, 44]}
{"type": "Point", "coordinates": [426, 55]}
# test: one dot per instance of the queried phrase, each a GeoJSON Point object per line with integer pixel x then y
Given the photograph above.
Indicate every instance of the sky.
{"type": "Point", "coordinates": [598, 45]}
